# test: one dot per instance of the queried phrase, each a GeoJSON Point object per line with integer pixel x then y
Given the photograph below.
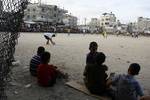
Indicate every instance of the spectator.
{"type": "Point", "coordinates": [127, 87]}
{"type": "Point", "coordinates": [95, 75]}
{"type": "Point", "coordinates": [36, 60]}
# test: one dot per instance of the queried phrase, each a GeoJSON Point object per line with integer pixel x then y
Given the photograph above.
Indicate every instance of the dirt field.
{"type": "Point", "coordinates": [69, 55]}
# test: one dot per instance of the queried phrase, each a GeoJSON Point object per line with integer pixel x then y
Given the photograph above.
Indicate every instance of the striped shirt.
{"type": "Point", "coordinates": [35, 61]}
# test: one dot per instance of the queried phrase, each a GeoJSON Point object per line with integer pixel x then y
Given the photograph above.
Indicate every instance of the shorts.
{"type": "Point", "coordinates": [46, 37]}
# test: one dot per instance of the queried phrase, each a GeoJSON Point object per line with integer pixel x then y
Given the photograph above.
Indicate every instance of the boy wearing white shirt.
{"type": "Point", "coordinates": [49, 36]}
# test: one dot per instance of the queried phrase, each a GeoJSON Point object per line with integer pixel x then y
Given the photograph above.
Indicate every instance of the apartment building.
{"type": "Point", "coordinates": [94, 25]}
{"type": "Point", "coordinates": [108, 21]}
{"type": "Point", "coordinates": [51, 14]}
{"type": "Point", "coordinates": [143, 24]}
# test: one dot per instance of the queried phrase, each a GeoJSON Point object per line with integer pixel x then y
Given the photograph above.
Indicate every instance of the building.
{"type": "Point", "coordinates": [94, 25]}
{"type": "Point", "coordinates": [108, 21]}
{"type": "Point", "coordinates": [143, 24]}
{"type": "Point", "coordinates": [84, 28]}
{"type": "Point", "coordinates": [70, 21]}
{"type": "Point", "coordinates": [132, 27]}
{"type": "Point", "coordinates": [122, 29]}
{"type": "Point", "coordinates": [38, 15]}
{"type": "Point", "coordinates": [1, 15]}
{"type": "Point", "coordinates": [1, 6]}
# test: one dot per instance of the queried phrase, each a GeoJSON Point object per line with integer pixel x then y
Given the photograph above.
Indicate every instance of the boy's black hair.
{"type": "Point", "coordinates": [100, 58]}
{"type": "Point", "coordinates": [134, 68]}
{"type": "Point", "coordinates": [53, 35]}
{"type": "Point", "coordinates": [93, 45]}
{"type": "Point", "coordinates": [40, 50]}
{"type": "Point", "coordinates": [45, 57]}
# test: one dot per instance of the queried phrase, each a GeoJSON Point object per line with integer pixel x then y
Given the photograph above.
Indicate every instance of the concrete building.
{"type": "Point", "coordinates": [70, 21]}
{"type": "Point", "coordinates": [94, 25]}
{"type": "Point", "coordinates": [132, 27]}
{"type": "Point", "coordinates": [84, 28]}
{"type": "Point", "coordinates": [108, 21]}
{"type": "Point", "coordinates": [122, 29]}
{"type": "Point", "coordinates": [1, 15]}
{"type": "Point", "coordinates": [143, 24]}
{"type": "Point", "coordinates": [1, 6]}
{"type": "Point", "coordinates": [51, 14]}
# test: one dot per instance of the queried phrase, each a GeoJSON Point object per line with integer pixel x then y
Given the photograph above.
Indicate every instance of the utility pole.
{"type": "Point", "coordinates": [85, 21]}
{"type": "Point", "coordinates": [85, 25]}
{"type": "Point", "coordinates": [39, 1]}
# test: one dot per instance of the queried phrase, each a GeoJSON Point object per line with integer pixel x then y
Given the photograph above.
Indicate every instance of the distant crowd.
{"type": "Point", "coordinates": [97, 81]}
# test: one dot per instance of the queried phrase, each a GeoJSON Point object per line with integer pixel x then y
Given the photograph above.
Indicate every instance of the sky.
{"type": "Point", "coordinates": [125, 10]}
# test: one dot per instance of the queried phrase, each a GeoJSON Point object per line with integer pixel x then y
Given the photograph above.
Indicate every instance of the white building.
{"type": "Point", "coordinates": [70, 21]}
{"type": "Point", "coordinates": [108, 21]}
{"type": "Point", "coordinates": [143, 24]}
{"type": "Point", "coordinates": [44, 13]}
{"type": "Point", "coordinates": [84, 28]}
{"type": "Point", "coordinates": [122, 29]}
{"type": "Point", "coordinates": [94, 25]}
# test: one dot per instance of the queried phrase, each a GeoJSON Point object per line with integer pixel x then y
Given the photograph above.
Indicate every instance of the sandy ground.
{"type": "Point", "coordinates": [69, 55]}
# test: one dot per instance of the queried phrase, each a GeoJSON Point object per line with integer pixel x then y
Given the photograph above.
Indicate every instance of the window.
{"type": "Point", "coordinates": [34, 9]}
{"type": "Point", "coordinates": [43, 9]}
{"type": "Point", "coordinates": [54, 15]}
{"type": "Point", "coordinates": [106, 23]}
{"type": "Point", "coordinates": [54, 21]}
{"type": "Point", "coordinates": [34, 16]}
{"type": "Point", "coordinates": [55, 8]}
{"type": "Point", "coordinates": [28, 16]}
{"type": "Point", "coordinates": [110, 25]}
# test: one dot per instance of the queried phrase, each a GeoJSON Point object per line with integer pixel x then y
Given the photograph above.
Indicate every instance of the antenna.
{"type": "Point", "coordinates": [39, 2]}
{"type": "Point", "coordinates": [85, 19]}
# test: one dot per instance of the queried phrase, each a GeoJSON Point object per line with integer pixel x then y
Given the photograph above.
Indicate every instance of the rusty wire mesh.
{"type": "Point", "coordinates": [11, 15]}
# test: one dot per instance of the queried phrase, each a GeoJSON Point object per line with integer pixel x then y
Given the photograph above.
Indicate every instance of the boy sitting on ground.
{"type": "Point", "coordinates": [36, 60]}
{"type": "Point", "coordinates": [95, 75]}
{"type": "Point", "coordinates": [90, 59]}
{"type": "Point", "coordinates": [46, 73]}
{"type": "Point", "coordinates": [127, 87]}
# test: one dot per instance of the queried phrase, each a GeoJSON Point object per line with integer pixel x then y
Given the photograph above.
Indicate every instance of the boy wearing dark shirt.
{"type": "Point", "coordinates": [90, 59]}
{"type": "Point", "coordinates": [95, 75]}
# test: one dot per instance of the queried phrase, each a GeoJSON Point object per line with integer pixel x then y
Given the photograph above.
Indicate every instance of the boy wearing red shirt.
{"type": "Point", "coordinates": [46, 73]}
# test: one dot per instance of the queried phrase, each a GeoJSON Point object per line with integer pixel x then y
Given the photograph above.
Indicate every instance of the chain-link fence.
{"type": "Point", "coordinates": [11, 15]}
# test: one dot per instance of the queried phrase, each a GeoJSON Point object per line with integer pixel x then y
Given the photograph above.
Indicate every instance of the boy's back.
{"type": "Point", "coordinates": [35, 61]}
{"type": "Point", "coordinates": [90, 59]}
{"type": "Point", "coordinates": [127, 87]}
{"type": "Point", "coordinates": [46, 74]}
{"type": "Point", "coordinates": [95, 77]}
